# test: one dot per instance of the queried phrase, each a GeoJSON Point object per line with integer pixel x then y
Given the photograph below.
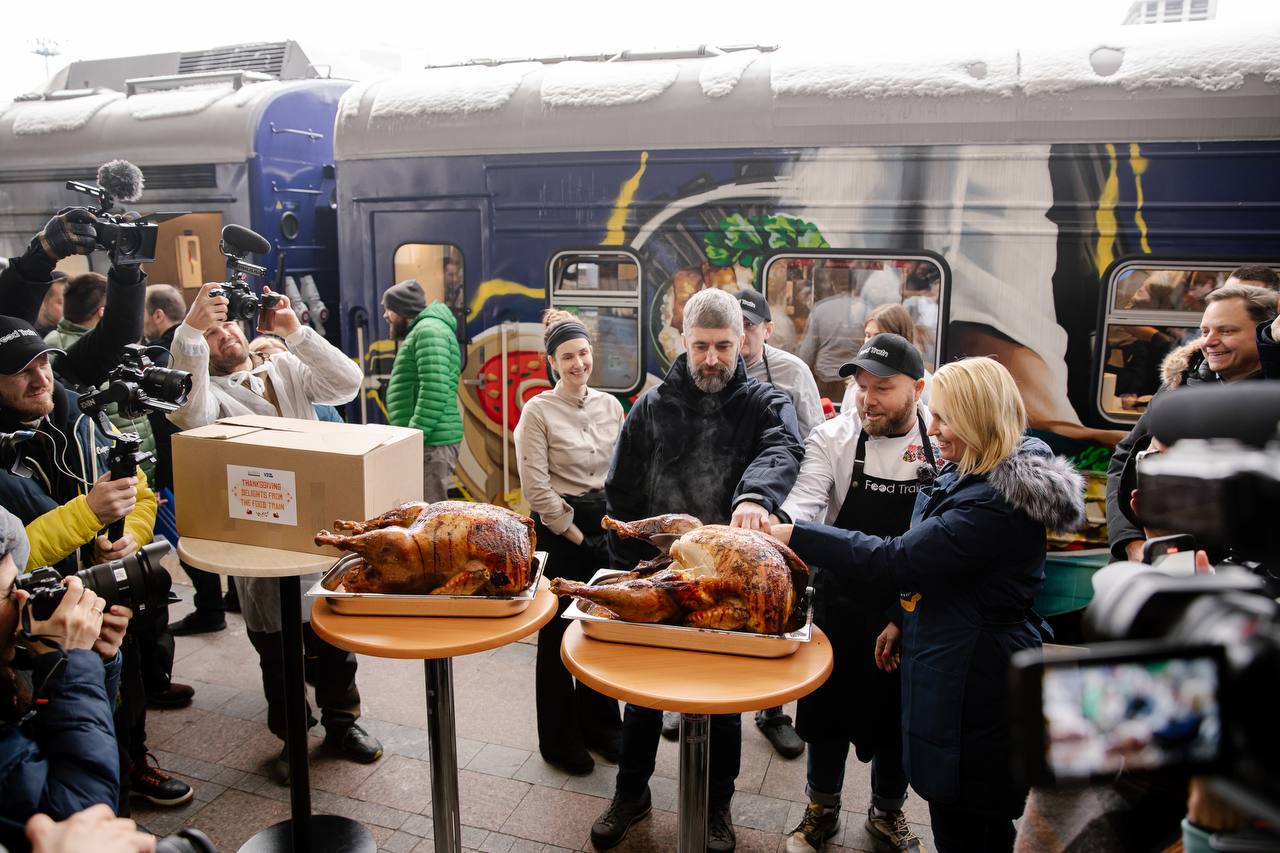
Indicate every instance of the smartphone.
{"type": "Point", "coordinates": [1160, 546]}
{"type": "Point", "coordinates": [1089, 714]}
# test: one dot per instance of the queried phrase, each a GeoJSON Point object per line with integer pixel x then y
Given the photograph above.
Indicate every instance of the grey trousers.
{"type": "Point", "coordinates": [437, 471]}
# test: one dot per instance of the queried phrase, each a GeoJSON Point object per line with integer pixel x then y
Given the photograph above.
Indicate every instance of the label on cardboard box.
{"type": "Point", "coordinates": [262, 494]}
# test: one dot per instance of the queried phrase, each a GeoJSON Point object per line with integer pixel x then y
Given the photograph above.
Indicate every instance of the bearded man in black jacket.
{"type": "Point", "coordinates": [716, 444]}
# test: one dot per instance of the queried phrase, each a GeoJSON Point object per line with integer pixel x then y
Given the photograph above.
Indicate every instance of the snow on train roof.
{"type": "Point", "coordinates": [1144, 82]}
{"type": "Point", "coordinates": [158, 128]}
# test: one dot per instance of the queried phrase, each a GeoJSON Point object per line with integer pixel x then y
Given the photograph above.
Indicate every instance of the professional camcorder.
{"type": "Point", "coordinates": [242, 302]}
{"type": "Point", "coordinates": [1178, 682]}
{"type": "Point", "coordinates": [128, 241]}
{"type": "Point", "coordinates": [138, 387]}
{"type": "Point", "coordinates": [138, 582]}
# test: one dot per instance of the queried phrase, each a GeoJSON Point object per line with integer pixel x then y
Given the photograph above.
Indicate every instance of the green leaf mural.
{"type": "Point", "coordinates": [744, 240]}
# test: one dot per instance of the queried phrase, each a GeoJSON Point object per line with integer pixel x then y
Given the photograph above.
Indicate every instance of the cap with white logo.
{"type": "Point", "coordinates": [887, 354]}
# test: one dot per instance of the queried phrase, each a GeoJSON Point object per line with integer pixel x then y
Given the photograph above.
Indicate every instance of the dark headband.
{"type": "Point", "coordinates": [567, 331]}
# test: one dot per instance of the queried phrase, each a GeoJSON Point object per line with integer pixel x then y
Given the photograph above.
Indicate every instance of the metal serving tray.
{"type": "Point", "coordinates": [403, 604]}
{"type": "Point", "coordinates": [692, 639]}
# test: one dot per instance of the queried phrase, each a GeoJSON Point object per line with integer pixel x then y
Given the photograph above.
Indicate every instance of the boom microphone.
{"type": "Point", "coordinates": [121, 180]}
{"type": "Point", "coordinates": [241, 239]}
{"type": "Point", "coordinates": [1246, 411]}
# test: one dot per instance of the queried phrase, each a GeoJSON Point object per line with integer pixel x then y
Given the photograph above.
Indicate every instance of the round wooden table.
{"type": "Point", "coordinates": [303, 831]}
{"type": "Point", "coordinates": [696, 684]}
{"type": "Point", "coordinates": [434, 640]}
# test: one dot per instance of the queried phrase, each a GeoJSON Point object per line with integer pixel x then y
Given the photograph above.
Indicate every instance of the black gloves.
{"type": "Point", "coordinates": [71, 232]}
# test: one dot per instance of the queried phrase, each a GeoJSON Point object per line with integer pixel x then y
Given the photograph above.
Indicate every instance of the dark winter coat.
{"type": "Point", "coordinates": [1184, 367]}
{"type": "Point", "coordinates": [1268, 352]}
{"type": "Point", "coordinates": [423, 392]}
{"type": "Point", "coordinates": [968, 570]}
{"type": "Point", "coordinates": [23, 285]}
{"type": "Point", "coordinates": [685, 451]}
{"type": "Point", "coordinates": [52, 504]}
{"type": "Point", "coordinates": [64, 759]}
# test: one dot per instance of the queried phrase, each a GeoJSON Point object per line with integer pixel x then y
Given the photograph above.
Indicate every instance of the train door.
{"type": "Point", "coordinates": [441, 250]}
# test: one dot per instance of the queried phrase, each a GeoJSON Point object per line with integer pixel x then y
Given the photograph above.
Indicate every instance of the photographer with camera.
{"type": "Point", "coordinates": [59, 485]}
{"type": "Point", "coordinates": [84, 304]}
{"type": "Point", "coordinates": [27, 279]}
{"type": "Point", "coordinates": [57, 739]}
{"type": "Point", "coordinates": [1231, 327]}
{"type": "Point", "coordinates": [228, 380]}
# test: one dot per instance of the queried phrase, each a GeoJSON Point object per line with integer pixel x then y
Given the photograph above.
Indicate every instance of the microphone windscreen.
{"type": "Point", "coordinates": [239, 237]}
{"type": "Point", "coordinates": [1247, 411]}
{"type": "Point", "coordinates": [121, 180]}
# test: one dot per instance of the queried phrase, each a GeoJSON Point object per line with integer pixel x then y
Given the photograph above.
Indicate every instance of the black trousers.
{"type": "Point", "coordinates": [155, 649]}
{"type": "Point", "coordinates": [335, 679]}
{"type": "Point", "coordinates": [961, 831]}
{"type": "Point", "coordinates": [208, 586]}
{"type": "Point", "coordinates": [130, 717]}
{"type": "Point", "coordinates": [571, 716]}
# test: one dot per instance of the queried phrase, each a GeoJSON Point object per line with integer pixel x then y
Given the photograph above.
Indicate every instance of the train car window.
{"type": "Point", "coordinates": [1153, 307]}
{"type": "Point", "coordinates": [1131, 365]}
{"type": "Point", "coordinates": [603, 289]}
{"type": "Point", "coordinates": [821, 305]}
{"type": "Point", "coordinates": [440, 272]}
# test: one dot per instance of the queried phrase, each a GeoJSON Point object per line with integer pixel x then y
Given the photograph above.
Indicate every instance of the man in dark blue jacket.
{"type": "Point", "coordinates": [713, 443]}
{"type": "Point", "coordinates": [58, 743]}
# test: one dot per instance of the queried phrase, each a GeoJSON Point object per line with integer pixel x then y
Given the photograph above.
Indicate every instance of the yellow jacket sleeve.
{"type": "Point", "coordinates": [61, 531]}
{"type": "Point", "coordinates": [141, 523]}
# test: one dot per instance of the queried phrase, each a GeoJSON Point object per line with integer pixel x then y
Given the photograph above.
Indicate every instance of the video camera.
{"type": "Point", "coordinates": [138, 582]}
{"type": "Point", "coordinates": [128, 241]}
{"type": "Point", "coordinates": [242, 302]}
{"type": "Point", "coordinates": [138, 387]}
{"type": "Point", "coordinates": [1178, 684]}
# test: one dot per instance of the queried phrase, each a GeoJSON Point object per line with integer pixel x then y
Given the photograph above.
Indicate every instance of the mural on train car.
{"type": "Point", "coordinates": [1011, 244]}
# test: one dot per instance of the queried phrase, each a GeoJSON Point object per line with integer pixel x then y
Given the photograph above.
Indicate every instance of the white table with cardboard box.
{"type": "Point", "coordinates": [250, 494]}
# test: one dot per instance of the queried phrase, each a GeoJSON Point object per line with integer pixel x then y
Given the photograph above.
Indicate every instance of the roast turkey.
{"type": "Point", "coordinates": [442, 548]}
{"type": "Point", "coordinates": [717, 577]}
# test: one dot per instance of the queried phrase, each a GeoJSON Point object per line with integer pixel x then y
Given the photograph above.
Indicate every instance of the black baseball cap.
{"type": "Point", "coordinates": [885, 355]}
{"type": "Point", "coordinates": [20, 345]}
{"type": "Point", "coordinates": [754, 306]}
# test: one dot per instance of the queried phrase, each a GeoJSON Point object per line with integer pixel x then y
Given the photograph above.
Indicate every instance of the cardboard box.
{"type": "Point", "coordinates": [275, 482]}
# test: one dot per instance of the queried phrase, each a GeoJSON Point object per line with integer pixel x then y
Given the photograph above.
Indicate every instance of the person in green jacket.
{"type": "Point", "coordinates": [84, 301]}
{"type": "Point", "coordinates": [423, 391]}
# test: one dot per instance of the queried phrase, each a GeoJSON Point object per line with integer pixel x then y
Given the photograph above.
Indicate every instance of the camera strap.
{"type": "Point", "coordinates": [38, 689]}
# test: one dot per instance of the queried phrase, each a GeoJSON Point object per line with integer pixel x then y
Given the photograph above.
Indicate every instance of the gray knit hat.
{"type": "Point", "coordinates": [13, 539]}
{"type": "Point", "coordinates": [406, 298]}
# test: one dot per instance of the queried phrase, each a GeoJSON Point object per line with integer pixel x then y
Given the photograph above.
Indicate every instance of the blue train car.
{"type": "Point", "coordinates": [222, 146]}
{"type": "Point", "coordinates": [1012, 199]}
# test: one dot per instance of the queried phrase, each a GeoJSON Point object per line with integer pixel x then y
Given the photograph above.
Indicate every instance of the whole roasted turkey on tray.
{"type": "Point", "coordinates": [442, 548]}
{"type": "Point", "coordinates": [711, 576]}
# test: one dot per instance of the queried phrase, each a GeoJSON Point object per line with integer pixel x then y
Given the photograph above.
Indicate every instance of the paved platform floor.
{"type": "Point", "coordinates": [511, 800]}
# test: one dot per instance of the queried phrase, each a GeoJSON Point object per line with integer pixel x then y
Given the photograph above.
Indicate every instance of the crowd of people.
{"type": "Point", "coordinates": [922, 510]}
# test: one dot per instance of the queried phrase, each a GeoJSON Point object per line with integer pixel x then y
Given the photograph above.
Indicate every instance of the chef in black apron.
{"type": "Point", "coordinates": [859, 703]}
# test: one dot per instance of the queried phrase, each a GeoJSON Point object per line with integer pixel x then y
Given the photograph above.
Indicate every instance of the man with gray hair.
{"type": "Point", "coordinates": [714, 443]}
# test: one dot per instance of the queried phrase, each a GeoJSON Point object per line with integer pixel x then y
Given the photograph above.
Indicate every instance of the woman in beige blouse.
{"type": "Point", "coordinates": [564, 444]}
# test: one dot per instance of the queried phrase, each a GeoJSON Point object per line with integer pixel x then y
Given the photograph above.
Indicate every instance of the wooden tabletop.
{"type": "Point", "coordinates": [429, 637]}
{"type": "Point", "coordinates": [249, 561]}
{"type": "Point", "coordinates": [695, 682]}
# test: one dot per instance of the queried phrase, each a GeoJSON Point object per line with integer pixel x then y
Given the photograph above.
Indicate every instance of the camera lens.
{"type": "Point", "coordinates": [186, 841]}
{"type": "Point", "coordinates": [138, 581]}
{"type": "Point", "coordinates": [246, 307]}
{"type": "Point", "coordinates": [171, 386]}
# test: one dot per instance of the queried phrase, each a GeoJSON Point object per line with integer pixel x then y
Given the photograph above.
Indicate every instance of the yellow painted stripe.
{"type": "Point", "coordinates": [613, 235]}
{"type": "Point", "coordinates": [1139, 164]}
{"type": "Point", "coordinates": [1106, 215]}
{"type": "Point", "coordinates": [500, 287]}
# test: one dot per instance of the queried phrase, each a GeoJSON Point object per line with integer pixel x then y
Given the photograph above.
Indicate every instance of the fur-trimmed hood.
{"type": "Point", "coordinates": [1046, 487]}
{"type": "Point", "coordinates": [1181, 364]}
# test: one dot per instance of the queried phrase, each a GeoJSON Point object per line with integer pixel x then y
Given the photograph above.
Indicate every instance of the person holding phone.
{"type": "Point", "coordinates": [967, 572]}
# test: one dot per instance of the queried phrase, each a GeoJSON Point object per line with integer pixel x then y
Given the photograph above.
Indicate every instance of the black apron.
{"type": "Point", "coordinates": [859, 703]}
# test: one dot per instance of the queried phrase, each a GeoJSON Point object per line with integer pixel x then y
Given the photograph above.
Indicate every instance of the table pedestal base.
{"type": "Point", "coordinates": [695, 755]}
{"type": "Point", "coordinates": [329, 834]}
{"type": "Point", "coordinates": [442, 734]}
